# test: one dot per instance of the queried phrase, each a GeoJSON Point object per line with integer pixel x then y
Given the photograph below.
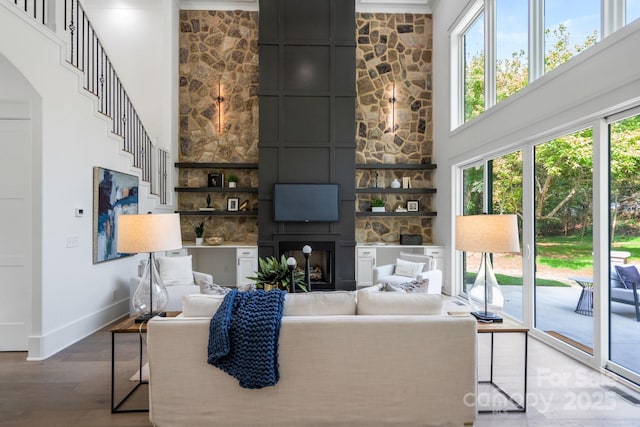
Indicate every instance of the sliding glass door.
{"type": "Point", "coordinates": [472, 204]}
{"type": "Point", "coordinates": [556, 177]}
{"type": "Point", "coordinates": [506, 198]}
{"type": "Point", "coordinates": [563, 239]}
{"type": "Point", "coordinates": [500, 180]}
{"type": "Point", "coordinates": [624, 232]}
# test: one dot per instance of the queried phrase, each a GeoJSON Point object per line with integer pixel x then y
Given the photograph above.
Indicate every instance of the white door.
{"type": "Point", "coordinates": [15, 233]}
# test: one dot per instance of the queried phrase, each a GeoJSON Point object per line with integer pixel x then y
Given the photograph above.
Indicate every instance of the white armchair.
{"type": "Point", "coordinates": [409, 271]}
{"type": "Point", "coordinates": [178, 278]}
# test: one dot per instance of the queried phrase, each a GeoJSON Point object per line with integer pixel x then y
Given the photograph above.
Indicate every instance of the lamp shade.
{"type": "Point", "coordinates": [148, 233]}
{"type": "Point", "coordinates": [487, 233]}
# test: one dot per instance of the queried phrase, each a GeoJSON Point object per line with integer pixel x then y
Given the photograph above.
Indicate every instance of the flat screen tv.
{"type": "Point", "coordinates": [306, 202]}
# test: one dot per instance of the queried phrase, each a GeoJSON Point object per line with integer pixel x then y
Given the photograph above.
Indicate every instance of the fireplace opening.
{"type": "Point", "coordinates": [321, 262]}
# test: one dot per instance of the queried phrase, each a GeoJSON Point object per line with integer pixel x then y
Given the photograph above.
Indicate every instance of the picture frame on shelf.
{"type": "Point", "coordinates": [413, 206]}
{"type": "Point", "coordinates": [232, 204]}
{"type": "Point", "coordinates": [215, 180]}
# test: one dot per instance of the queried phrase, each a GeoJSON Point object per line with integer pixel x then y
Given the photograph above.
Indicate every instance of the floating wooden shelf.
{"type": "Point", "coordinates": [217, 165]}
{"type": "Point", "coordinates": [218, 213]}
{"type": "Point", "coordinates": [397, 166]}
{"type": "Point", "coordinates": [396, 190]}
{"type": "Point", "coordinates": [216, 190]}
{"type": "Point", "coordinates": [421, 213]}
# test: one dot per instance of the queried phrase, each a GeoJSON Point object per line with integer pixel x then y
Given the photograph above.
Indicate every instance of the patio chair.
{"type": "Point", "coordinates": [628, 292]}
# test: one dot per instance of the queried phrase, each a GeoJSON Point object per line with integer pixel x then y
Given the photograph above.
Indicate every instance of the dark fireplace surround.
{"type": "Point", "coordinates": [307, 126]}
{"type": "Point", "coordinates": [321, 262]}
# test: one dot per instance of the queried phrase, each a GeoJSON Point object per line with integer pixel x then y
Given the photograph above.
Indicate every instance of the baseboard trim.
{"type": "Point", "coordinates": [44, 346]}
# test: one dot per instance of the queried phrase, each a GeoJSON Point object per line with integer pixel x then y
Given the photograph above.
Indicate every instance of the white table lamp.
{"type": "Point", "coordinates": [487, 234]}
{"type": "Point", "coordinates": [149, 233]}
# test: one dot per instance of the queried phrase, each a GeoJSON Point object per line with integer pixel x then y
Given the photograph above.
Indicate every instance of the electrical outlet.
{"type": "Point", "coordinates": [73, 242]}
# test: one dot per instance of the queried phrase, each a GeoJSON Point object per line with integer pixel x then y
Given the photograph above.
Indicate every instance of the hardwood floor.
{"type": "Point", "coordinates": [72, 388]}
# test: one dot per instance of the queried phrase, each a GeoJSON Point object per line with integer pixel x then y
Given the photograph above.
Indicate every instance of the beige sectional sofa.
{"type": "Point", "coordinates": [338, 366]}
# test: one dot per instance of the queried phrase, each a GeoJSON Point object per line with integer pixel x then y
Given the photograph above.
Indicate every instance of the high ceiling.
{"type": "Point", "coordinates": [389, 6]}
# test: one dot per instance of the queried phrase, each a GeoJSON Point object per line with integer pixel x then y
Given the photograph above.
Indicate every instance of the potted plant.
{"type": "Point", "coordinates": [199, 230]}
{"type": "Point", "coordinates": [377, 205]}
{"type": "Point", "coordinates": [274, 273]}
{"type": "Point", "coordinates": [233, 180]}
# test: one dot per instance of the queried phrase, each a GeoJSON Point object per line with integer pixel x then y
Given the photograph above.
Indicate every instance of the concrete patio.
{"type": "Point", "coordinates": [556, 313]}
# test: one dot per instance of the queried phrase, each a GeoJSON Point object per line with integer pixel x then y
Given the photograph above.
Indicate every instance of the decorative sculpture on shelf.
{"type": "Point", "coordinates": [208, 208]}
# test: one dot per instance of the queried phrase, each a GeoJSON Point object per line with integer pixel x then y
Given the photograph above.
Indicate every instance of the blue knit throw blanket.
{"type": "Point", "coordinates": [243, 337]}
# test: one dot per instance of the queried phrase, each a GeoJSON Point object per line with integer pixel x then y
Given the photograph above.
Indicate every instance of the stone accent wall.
{"type": "Point", "coordinates": [218, 56]}
{"type": "Point", "coordinates": [221, 47]}
{"type": "Point", "coordinates": [393, 49]}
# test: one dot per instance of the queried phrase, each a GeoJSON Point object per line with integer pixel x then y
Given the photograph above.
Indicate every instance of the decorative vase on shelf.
{"type": "Point", "coordinates": [199, 240]}
{"type": "Point", "coordinates": [395, 183]}
{"type": "Point", "coordinates": [232, 184]}
{"type": "Point", "coordinates": [377, 209]}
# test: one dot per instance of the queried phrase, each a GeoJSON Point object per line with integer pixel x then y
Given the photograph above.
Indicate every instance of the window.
{"type": "Point", "coordinates": [500, 48]}
{"type": "Point", "coordinates": [633, 11]}
{"type": "Point", "coordinates": [506, 198]}
{"type": "Point", "coordinates": [564, 240]}
{"type": "Point", "coordinates": [474, 69]}
{"type": "Point", "coordinates": [512, 38]}
{"type": "Point", "coordinates": [624, 202]}
{"type": "Point", "coordinates": [570, 26]}
{"type": "Point", "coordinates": [472, 204]}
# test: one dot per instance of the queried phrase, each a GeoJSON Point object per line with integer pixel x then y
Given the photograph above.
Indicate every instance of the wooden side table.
{"type": "Point", "coordinates": [508, 326]}
{"type": "Point", "coordinates": [129, 326]}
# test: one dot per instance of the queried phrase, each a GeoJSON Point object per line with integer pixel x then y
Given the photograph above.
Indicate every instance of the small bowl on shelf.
{"type": "Point", "coordinates": [214, 241]}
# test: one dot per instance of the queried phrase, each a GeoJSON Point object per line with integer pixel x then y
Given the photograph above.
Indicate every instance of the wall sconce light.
{"type": "Point", "coordinates": [392, 101]}
{"type": "Point", "coordinates": [220, 100]}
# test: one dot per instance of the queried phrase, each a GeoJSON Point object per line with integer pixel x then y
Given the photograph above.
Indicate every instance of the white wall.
{"type": "Point", "coordinates": [72, 297]}
{"type": "Point", "coordinates": [137, 36]}
{"type": "Point", "coordinates": [141, 39]}
{"type": "Point", "coordinates": [603, 79]}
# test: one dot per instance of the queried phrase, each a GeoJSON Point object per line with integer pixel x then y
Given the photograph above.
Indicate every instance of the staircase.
{"type": "Point", "coordinates": [86, 54]}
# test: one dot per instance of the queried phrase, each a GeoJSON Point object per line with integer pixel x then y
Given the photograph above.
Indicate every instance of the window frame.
{"type": "Point", "coordinates": [612, 18]}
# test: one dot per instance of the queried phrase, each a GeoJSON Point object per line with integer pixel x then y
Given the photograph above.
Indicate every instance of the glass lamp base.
{"type": "Point", "coordinates": [487, 316]}
{"type": "Point", "coordinates": [143, 318]}
{"type": "Point", "coordinates": [150, 297]}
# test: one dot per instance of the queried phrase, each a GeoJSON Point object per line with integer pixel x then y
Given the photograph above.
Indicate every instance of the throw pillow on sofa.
{"type": "Point", "coordinates": [200, 305]}
{"type": "Point", "coordinates": [303, 304]}
{"type": "Point", "coordinates": [175, 270]}
{"type": "Point", "coordinates": [407, 268]}
{"type": "Point", "coordinates": [415, 286]}
{"type": "Point", "coordinates": [213, 289]}
{"type": "Point", "coordinates": [393, 303]}
{"type": "Point", "coordinates": [320, 303]}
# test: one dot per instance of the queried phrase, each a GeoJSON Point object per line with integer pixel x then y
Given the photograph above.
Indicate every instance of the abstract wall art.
{"type": "Point", "coordinates": [114, 194]}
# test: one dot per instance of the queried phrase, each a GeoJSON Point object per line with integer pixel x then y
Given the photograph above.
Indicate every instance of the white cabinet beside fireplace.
{"type": "Point", "coordinates": [229, 264]}
{"type": "Point", "coordinates": [369, 256]}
